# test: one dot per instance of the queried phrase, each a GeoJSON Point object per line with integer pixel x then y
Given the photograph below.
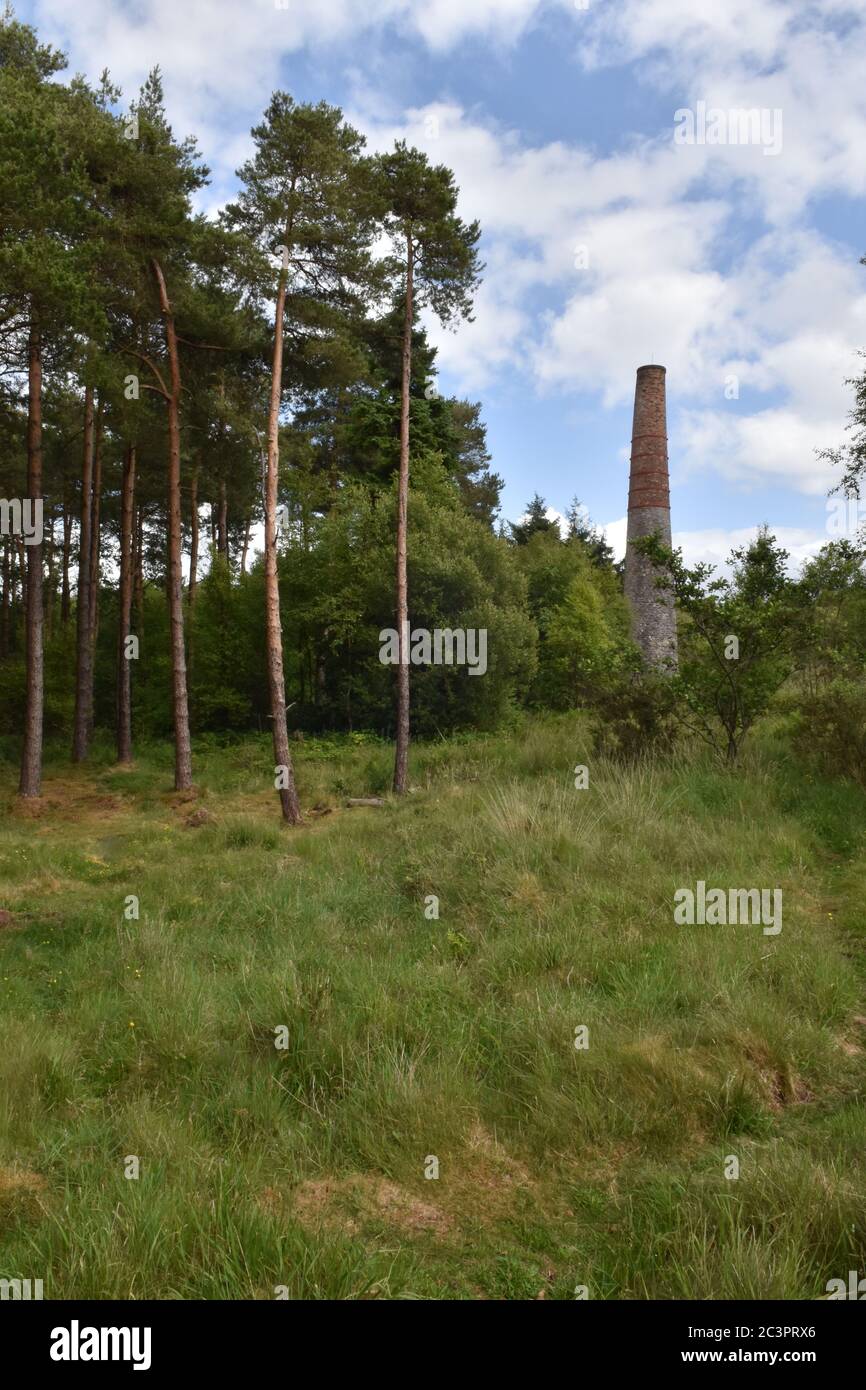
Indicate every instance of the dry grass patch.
{"type": "Point", "coordinates": [17, 1180]}
{"type": "Point", "coordinates": [349, 1203]}
{"type": "Point", "coordinates": [21, 1191]}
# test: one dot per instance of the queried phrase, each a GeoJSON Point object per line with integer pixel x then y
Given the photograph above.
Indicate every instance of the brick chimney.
{"type": "Point", "coordinates": [653, 616]}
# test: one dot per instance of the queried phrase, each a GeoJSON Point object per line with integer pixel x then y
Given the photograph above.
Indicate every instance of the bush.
{"type": "Point", "coordinates": [635, 711]}
{"type": "Point", "coordinates": [829, 727]}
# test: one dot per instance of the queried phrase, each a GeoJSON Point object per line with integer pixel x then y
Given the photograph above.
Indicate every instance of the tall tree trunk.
{"type": "Point", "coordinates": [31, 757]}
{"type": "Point", "coordinates": [67, 548]}
{"type": "Point", "coordinates": [95, 536]}
{"type": "Point", "coordinates": [273, 628]}
{"type": "Point", "coordinates": [193, 549]}
{"type": "Point", "coordinates": [401, 758]}
{"type": "Point", "coordinates": [84, 659]}
{"type": "Point", "coordinates": [95, 542]}
{"type": "Point", "coordinates": [182, 750]}
{"type": "Point", "coordinates": [246, 544]}
{"type": "Point", "coordinates": [124, 704]}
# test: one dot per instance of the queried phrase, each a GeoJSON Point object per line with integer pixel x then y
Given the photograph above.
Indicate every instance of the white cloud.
{"type": "Point", "coordinates": [783, 319]}
{"type": "Point", "coordinates": [737, 30]}
{"type": "Point", "coordinates": [803, 59]}
{"type": "Point", "coordinates": [215, 53]}
{"type": "Point", "coordinates": [768, 446]}
{"type": "Point", "coordinates": [714, 545]}
{"type": "Point", "coordinates": [615, 535]}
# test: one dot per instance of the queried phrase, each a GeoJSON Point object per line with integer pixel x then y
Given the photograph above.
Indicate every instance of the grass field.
{"type": "Point", "coordinates": [410, 1039]}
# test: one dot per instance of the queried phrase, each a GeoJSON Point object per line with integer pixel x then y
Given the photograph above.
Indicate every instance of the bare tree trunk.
{"type": "Point", "coordinates": [246, 544]}
{"type": "Point", "coordinates": [95, 541]}
{"type": "Point", "coordinates": [401, 758]}
{"type": "Point", "coordinates": [84, 658]}
{"type": "Point", "coordinates": [193, 551]}
{"type": "Point", "coordinates": [95, 535]}
{"type": "Point", "coordinates": [67, 547]}
{"type": "Point", "coordinates": [30, 784]}
{"type": "Point", "coordinates": [273, 627]}
{"type": "Point", "coordinates": [182, 750]}
{"type": "Point", "coordinates": [124, 703]}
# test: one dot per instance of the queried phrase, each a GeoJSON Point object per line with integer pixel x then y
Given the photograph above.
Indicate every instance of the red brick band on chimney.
{"type": "Point", "coordinates": [648, 481]}
{"type": "Point", "coordinates": [648, 478]}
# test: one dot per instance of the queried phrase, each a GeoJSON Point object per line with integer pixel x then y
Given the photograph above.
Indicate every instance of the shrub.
{"type": "Point", "coordinates": [829, 727]}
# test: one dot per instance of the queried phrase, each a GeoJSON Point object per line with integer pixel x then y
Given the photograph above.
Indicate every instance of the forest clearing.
{"type": "Point", "coordinates": [411, 1039]}
{"type": "Point", "coordinates": [432, 730]}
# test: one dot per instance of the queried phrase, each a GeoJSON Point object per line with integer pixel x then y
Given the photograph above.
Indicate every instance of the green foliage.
{"type": "Point", "coordinates": [417, 203]}
{"type": "Point", "coordinates": [536, 522]}
{"type": "Point", "coordinates": [828, 727]}
{"type": "Point", "coordinates": [831, 633]}
{"type": "Point", "coordinates": [223, 648]}
{"type": "Point", "coordinates": [826, 699]}
{"type": "Point", "coordinates": [338, 597]}
{"type": "Point", "coordinates": [735, 639]}
{"type": "Point", "coordinates": [580, 613]}
{"type": "Point", "coordinates": [635, 710]}
{"type": "Point", "coordinates": [851, 457]}
{"type": "Point", "coordinates": [59, 663]}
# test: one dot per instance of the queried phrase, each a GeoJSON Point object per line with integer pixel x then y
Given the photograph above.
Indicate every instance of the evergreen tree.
{"type": "Point", "coordinates": [436, 264]}
{"type": "Point", "coordinates": [300, 200]}
{"type": "Point", "coordinates": [535, 522]}
{"type": "Point", "coordinates": [46, 291]}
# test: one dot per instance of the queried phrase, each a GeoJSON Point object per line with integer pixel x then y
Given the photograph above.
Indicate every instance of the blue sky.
{"type": "Point", "coordinates": [608, 243]}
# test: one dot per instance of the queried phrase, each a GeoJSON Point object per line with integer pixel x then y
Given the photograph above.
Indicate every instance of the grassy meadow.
{"type": "Point", "coordinates": [413, 1041]}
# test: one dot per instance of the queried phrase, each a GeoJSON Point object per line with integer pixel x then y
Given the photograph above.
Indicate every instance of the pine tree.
{"type": "Point", "coordinates": [301, 201]}
{"type": "Point", "coordinates": [534, 522]}
{"type": "Point", "coordinates": [45, 289]}
{"type": "Point", "coordinates": [156, 223]}
{"type": "Point", "coordinates": [435, 265]}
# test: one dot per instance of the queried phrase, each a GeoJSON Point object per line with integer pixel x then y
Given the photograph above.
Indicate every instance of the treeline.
{"type": "Point", "coordinates": [217, 417]}
{"type": "Point", "coordinates": [246, 471]}
{"type": "Point", "coordinates": [154, 361]}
